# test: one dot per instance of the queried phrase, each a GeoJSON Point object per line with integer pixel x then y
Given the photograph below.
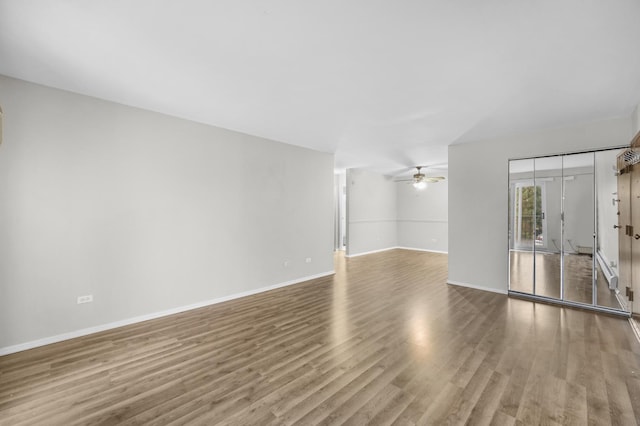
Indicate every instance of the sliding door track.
{"type": "Point", "coordinates": [569, 304]}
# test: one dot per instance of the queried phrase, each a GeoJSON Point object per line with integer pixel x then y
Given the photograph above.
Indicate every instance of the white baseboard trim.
{"type": "Point", "coordinates": [421, 249]}
{"type": "Point", "coordinates": [476, 287]}
{"type": "Point", "coordinates": [369, 252]}
{"type": "Point", "coordinates": [393, 248]}
{"type": "Point", "coordinates": [91, 330]}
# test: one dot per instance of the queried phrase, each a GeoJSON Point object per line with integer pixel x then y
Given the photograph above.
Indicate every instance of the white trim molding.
{"type": "Point", "coordinates": [370, 252]}
{"type": "Point", "coordinates": [91, 330]}
{"type": "Point", "coordinates": [394, 248]}
{"type": "Point", "coordinates": [353, 222]}
{"type": "Point", "coordinates": [421, 249]}
{"type": "Point", "coordinates": [421, 221]}
{"type": "Point", "coordinates": [476, 287]}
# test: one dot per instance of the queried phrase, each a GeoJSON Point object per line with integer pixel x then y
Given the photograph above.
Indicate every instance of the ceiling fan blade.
{"type": "Point", "coordinates": [438, 166]}
{"type": "Point", "coordinates": [434, 178]}
{"type": "Point", "coordinates": [402, 171]}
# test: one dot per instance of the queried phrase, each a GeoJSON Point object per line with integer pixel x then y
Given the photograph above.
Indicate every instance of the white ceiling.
{"type": "Point", "coordinates": [383, 84]}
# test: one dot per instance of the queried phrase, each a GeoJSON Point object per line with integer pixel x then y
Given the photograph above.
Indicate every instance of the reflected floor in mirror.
{"type": "Point", "coordinates": [578, 282]}
{"type": "Point", "coordinates": [384, 341]}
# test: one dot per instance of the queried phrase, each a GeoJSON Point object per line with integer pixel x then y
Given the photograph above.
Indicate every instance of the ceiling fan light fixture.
{"type": "Point", "coordinates": [418, 179]}
{"type": "Point", "coordinates": [419, 184]}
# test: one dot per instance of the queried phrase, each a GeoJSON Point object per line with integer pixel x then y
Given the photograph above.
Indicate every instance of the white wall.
{"type": "Point", "coordinates": [146, 212]}
{"type": "Point", "coordinates": [478, 182]}
{"type": "Point", "coordinates": [423, 215]}
{"type": "Point", "coordinates": [371, 212]}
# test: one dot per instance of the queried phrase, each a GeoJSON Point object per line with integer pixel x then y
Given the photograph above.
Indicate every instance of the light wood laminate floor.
{"type": "Point", "coordinates": [385, 341]}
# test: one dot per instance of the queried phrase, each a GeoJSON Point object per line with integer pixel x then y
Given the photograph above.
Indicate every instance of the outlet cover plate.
{"type": "Point", "coordinates": [85, 299]}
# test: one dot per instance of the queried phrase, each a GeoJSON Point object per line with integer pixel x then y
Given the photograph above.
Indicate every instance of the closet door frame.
{"type": "Point", "coordinates": [562, 301]}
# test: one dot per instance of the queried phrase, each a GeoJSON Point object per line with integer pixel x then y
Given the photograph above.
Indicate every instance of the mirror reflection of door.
{"type": "Point", "coordinates": [628, 215]}
{"type": "Point", "coordinates": [632, 238]}
{"type": "Point", "coordinates": [624, 207]}
{"type": "Point", "coordinates": [628, 166]}
{"type": "Point", "coordinates": [528, 216]}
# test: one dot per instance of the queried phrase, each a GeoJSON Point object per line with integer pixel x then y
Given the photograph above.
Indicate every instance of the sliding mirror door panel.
{"type": "Point", "coordinates": [521, 226]}
{"type": "Point", "coordinates": [578, 227]}
{"type": "Point", "coordinates": [634, 237]}
{"type": "Point", "coordinates": [624, 208]}
{"type": "Point", "coordinates": [606, 255]}
{"type": "Point", "coordinates": [548, 262]}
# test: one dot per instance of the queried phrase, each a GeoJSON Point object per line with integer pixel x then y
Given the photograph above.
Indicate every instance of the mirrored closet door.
{"type": "Point", "coordinates": [563, 230]}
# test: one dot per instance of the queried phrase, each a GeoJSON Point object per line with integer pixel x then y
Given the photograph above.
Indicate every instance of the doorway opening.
{"type": "Point", "coordinates": [340, 212]}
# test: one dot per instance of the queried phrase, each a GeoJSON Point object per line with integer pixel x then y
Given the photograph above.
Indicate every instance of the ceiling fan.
{"type": "Point", "coordinates": [420, 180]}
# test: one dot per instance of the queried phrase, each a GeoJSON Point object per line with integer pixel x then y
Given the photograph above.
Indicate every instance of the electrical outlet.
{"type": "Point", "coordinates": [308, 260]}
{"type": "Point", "coordinates": [85, 299]}
{"type": "Point", "coordinates": [285, 263]}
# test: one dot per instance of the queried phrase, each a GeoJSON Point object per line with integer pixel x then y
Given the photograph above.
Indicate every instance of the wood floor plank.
{"type": "Point", "coordinates": [384, 341]}
{"type": "Point", "coordinates": [367, 412]}
{"type": "Point", "coordinates": [392, 408]}
{"type": "Point", "coordinates": [485, 411]}
{"type": "Point", "coordinates": [463, 407]}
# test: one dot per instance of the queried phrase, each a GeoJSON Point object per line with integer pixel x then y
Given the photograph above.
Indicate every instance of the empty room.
{"type": "Point", "coordinates": [282, 212]}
